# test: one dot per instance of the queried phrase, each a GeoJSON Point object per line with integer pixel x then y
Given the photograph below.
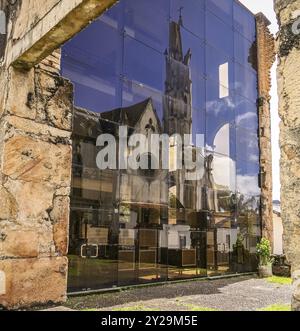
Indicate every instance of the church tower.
{"type": "Point", "coordinates": [177, 109]}
{"type": "Point", "coordinates": [177, 101]}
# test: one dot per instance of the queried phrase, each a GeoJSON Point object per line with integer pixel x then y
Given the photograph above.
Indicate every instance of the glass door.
{"type": "Point", "coordinates": [93, 253]}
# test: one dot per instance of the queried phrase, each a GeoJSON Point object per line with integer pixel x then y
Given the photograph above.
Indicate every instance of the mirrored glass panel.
{"type": "Point", "coordinates": [165, 176]}
{"type": "Point", "coordinates": [218, 34]}
{"type": "Point", "coordinates": [138, 94]}
{"type": "Point", "coordinates": [93, 248]}
{"type": "Point", "coordinates": [222, 9]}
{"type": "Point", "coordinates": [245, 82]}
{"type": "Point", "coordinates": [193, 67]}
{"type": "Point", "coordinates": [94, 70]}
{"type": "Point", "coordinates": [144, 65]}
{"type": "Point", "coordinates": [247, 146]}
{"type": "Point", "coordinates": [245, 51]}
{"type": "Point", "coordinates": [186, 252]}
{"type": "Point", "coordinates": [223, 172]}
{"type": "Point", "coordinates": [244, 21]}
{"type": "Point", "coordinates": [148, 22]}
{"type": "Point", "coordinates": [250, 230]}
{"type": "Point", "coordinates": [220, 115]}
{"type": "Point", "coordinates": [246, 114]}
{"type": "Point", "coordinates": [220, 243]}
{"type": "Point", "coordinates": [219, 68]}
{"type": "Point", "coordinates": [248, 178]}
{"type": "Point", "coordinates": [184, 12]}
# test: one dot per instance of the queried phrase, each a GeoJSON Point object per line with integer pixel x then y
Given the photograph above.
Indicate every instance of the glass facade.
{"type": "Point", "coordinates": [169, 67]}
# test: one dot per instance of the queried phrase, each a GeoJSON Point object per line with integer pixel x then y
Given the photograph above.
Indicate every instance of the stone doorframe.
{"type": "Point", "coordinates": [36, 111]}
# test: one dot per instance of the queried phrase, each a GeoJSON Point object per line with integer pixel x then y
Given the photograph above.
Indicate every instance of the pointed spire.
{"type": "Point", "coordinates": [175, 47]}
{"type": "Point", "coordinates": [180, 22]}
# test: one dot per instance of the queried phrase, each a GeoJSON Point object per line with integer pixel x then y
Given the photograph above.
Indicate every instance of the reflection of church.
{"type": "Point", "coordinates": [192, 190]}
{"type": "Point", "coordinates": [148, 218]}
{"type": "Point", "coordinates": [148, 196]}
{"type": "Point", "coordinates": [146, 189]}
{"type": "Point", "coordinates": [184, 192]}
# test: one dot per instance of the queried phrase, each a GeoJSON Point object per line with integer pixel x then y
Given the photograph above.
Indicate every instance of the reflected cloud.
{"type": "Point", "coordinates": [217, 106]}
{"type": "Point", "coordinates": [240, 119]}
{"type": "Point", "coordinates": [248, 185]}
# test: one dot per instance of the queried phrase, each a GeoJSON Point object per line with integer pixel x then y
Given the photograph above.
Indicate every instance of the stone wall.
{"type": "Point", "coordinates": [36, 110]}
{"type": "Point", "coordinates": [265, 60]}
{"type": "Point", "coordinates": [288, 12]}
{"type": "Point", "coordinates": [36, 126]}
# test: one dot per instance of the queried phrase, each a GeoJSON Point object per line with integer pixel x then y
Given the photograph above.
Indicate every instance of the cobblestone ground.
{"type": "Point", "coordinates": [238, 294]}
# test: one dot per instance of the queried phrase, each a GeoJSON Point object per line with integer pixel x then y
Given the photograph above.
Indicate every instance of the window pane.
{"type": "Point", "coordinates": [147, 21]}
{"type": "Point", "coordinates": [244, 21]}
{"type": "Point", "coordinates": [247, 146]}
{"type": "Point", "coordinates": [144, 65]}
{"type": "Point", "coordinates": [198, 127]}
{"type": "Point", "coordinates": [219, 34]}
{"type": "Point", "coordinates": [192, 13]}
{"type": "Point", "coordinates": [220, 114]}
{"type": "Point", "coordinates": [223, 172]}
{"type": "Point", "coordinates": [245, 52]}
{"type": "Point", "coordinates": [221, 239]}
{"type": "Point", "coordinates": [248, 204]}
{"type": "Point", "coordinates": [222, 9]}
{"type": "Point", "coordinates": [248, 178]}
{"type": "Point", "coordinates": [193, 67]}
{"type": "Point", "coordinates": [94, 70]}
{"type": "Point", "coordinates": [92, 58]}
{"type": "Point", "coordinates": [245, 82]}
{"type": "Point", "coordinates": [246, 114]}
{"type": "Point", "coordinates": [134, 94]}
{"type": "Point", "coordinates": [214, 60]}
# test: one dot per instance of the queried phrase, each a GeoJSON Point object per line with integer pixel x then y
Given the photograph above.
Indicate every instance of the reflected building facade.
{"type": "Point", "coordinates": [177, 68]}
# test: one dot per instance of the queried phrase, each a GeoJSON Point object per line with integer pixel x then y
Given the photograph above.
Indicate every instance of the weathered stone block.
{"type": "Point", "coordinates": [20, 100]}
{"type": "Point", "coordinates": [55, 101]}
{"type": "Point", "coordinates": [32, 199]}
{"type": "Point", "coordinates": [34, 281]}
{"type": "Point", "coordinates": [8, 205]}
{"type": "Point", "coordinates": [296, 291]}
{"type": "Point", "coordinates": [19, 243]}
{"type": "Point", "coordinates": [60, 215]}
{"type": "Point", "coordinates": [31, 160]}
{"type": "Point", "coordinates": [3, 89]}
{"type": "Point", "coordinates": [29, 239]}
{"type": "Point", "coordinates": [29, 127]}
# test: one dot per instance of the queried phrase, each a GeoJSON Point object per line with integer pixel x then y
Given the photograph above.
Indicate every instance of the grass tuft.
{"type": "Point", "coordinates": [280, 280]}
{"type": "Point", "coordinates": [277, 308]}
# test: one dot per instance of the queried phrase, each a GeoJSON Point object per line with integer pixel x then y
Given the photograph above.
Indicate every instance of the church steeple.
{"type": "Point", "coordinates": [180, 22]}
{"type": "Point", "coordinates": [178, 84]}
{"type": "Point", "coordinates": [175, 43]}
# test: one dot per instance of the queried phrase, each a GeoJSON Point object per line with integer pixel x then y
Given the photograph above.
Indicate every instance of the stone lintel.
{"type": "Point", "coordinates": [58, 25]}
